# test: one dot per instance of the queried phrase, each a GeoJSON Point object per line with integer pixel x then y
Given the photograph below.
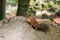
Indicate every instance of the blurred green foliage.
{"type": "Point", "coordinates": [44, 16]}
{"type": "Point", "coordinates": [51, 18]}
{"type": "Point", "coordinates": [58, 13]}
{"type": "Point", "coordinates": [50, 5]}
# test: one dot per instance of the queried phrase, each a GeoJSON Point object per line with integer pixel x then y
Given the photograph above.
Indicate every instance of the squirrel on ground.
{"type": "Point", "coordinates": [42, 26]}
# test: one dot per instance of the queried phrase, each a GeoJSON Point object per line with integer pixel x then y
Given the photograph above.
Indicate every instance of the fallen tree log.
{"type": "Point", "coordinates": [18, 29]}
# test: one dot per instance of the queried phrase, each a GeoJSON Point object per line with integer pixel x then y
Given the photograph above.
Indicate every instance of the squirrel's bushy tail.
{"type": "Point", "coordinates": [43, 27]}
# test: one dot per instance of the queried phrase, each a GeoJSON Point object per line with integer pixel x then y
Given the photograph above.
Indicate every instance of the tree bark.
{"type": "Point", "coordinates": [22, 7]}
{"type": "Point", "coordinates": [2, 9]}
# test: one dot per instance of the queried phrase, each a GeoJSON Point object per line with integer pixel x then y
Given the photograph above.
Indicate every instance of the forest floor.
{"type": "Point", "coordinates": [13, 9]}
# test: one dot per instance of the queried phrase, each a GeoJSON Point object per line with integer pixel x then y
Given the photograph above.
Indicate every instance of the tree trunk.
{"type": "Point", "coordinates": [22, 7]}
{"type": "Point", "coordinates": [2, 9]}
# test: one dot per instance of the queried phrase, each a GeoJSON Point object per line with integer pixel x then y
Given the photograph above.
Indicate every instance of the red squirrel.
{"type": "Point", "coordinates": [32, 22]}
{"type": "Point", "coordinates": [43, 27]}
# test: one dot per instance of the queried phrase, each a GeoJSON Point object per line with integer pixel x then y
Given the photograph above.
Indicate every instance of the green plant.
{"type": "Point", "coordinates": [58, 13]}
{"type": "Point", "coordinates": [51, 18]}
{"type": "Point", "coordinates": [44, 16]}
{"type": "Point", "coordinates": [52, 9]}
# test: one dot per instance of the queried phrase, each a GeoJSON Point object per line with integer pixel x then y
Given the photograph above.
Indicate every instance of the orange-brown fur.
{"type": "Point", "coordinates": [33, 22]}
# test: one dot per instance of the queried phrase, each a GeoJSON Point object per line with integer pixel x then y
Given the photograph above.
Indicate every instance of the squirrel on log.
{"type": "Point", "coordinates": [34, 24]}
